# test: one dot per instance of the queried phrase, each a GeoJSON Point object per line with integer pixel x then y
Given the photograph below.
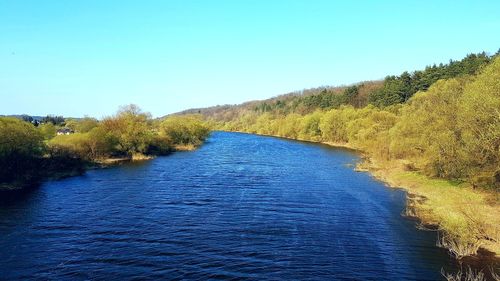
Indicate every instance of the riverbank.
{"type": "Point", "coordinates": [467, 219]}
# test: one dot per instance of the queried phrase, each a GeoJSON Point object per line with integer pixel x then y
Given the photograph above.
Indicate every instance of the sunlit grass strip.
{"type": "Point", "coordinates": [467, 219]}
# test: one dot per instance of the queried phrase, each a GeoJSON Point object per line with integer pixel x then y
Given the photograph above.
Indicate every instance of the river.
{"type": "Point", "coordinates": [242, 207]}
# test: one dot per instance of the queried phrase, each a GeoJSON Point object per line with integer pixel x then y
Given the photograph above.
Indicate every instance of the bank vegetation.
{"type": "Point", "coordinates": [30, 152]}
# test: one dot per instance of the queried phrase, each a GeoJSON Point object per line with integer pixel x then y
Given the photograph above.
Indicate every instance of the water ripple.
{"type": "Point", "coordinates": [242, 207]}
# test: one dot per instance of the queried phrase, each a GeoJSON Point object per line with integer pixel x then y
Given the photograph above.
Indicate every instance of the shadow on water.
{"type": "Point", "coordinates": [12, 196]}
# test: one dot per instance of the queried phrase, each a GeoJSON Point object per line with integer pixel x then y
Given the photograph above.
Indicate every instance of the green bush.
{"type": "Point", "coordinates": [20, 147]}
{"type": "Point", "coordinates": [184, 130]}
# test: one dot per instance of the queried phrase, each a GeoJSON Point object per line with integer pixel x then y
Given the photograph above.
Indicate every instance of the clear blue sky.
{"type": "Point", "coordinates": [77, 58]}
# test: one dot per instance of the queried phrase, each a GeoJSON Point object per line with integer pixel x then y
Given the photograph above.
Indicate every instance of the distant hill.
{"type": "Point", "coordinates": [395, 89]}
{"type": "Point", "coordinates": [302, 102]}
{"type": "Point", "coordinates": [22, 116]}
{"type": "Point", "coordinates": [36, 117]}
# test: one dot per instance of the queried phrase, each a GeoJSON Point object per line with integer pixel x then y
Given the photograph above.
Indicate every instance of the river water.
{"type": "Point", "coordinates": [242, 207]}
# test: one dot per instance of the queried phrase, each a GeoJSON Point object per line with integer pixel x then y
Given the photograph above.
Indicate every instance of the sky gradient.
{"type": "Point", "coordinates": [77, 58]}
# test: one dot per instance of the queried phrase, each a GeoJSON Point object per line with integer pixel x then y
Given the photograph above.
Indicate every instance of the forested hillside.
{"type": "Point", "coordinates": [394, 89]}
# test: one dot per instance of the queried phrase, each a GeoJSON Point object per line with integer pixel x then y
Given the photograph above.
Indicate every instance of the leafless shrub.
{"type": "Point", "coordinates": [464, 275]}
{"type": "Point", "coordinates": [495, 274]}
{"type": "Point", "coordinates": [458, 249]}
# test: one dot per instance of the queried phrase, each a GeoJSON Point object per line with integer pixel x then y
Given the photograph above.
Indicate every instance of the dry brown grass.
{"type": "Point", "coordinates": [495, 274]}
{"type": "Point", "coordinates": [141, 157]}
{"type": "Point", "coordinates": [185, 147]}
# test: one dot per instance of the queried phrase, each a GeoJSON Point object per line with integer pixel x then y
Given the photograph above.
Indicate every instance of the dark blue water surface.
{"type": "Point", "coordinates": [240, 207]}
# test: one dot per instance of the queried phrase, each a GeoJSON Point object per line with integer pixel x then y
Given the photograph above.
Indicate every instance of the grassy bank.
{"type": "Point", "coordinates": [468, 219]}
